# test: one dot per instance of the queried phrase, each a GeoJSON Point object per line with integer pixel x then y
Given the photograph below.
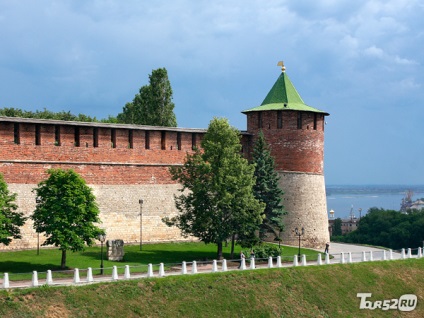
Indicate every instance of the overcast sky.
{"type": "Point", "coordinates": [361, 61]}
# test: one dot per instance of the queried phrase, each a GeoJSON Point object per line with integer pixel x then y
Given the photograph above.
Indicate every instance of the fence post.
{"type": "Point", "coordinates": [349, 257]}
{"type": "Point", "coordinates": [6, 283]}
{"type": "Point", "coordinates": [184, 268]}
{"type": "Point", "coordinates": [402, 254]}
{"type": "Point", "coordinates": [194, 267]}
{"type": "Point", "coordinates": [420, 254]}
{"type": "Point", "coordinates": [390, 254]}
{"type": "Point", "coordinates": [252, 263]}
{"type": "Point", "coordinates": [214, 266]}
{"type": "Point", "coordinates": [76, 276]}
{"type": "Point", "coordinates": [224, 265]}
{"type": "Point", "coordinates": [270, 265]}
{"type": "Point", "coordinates": [127, 274]}
{"type": "Point", "coordinates": [295, 261]}
{"type": "Point", "coordinates": [89, 275]}
{"type": "Point", "coordinates": [49, 278]}
{"type": "Point", "coordinates": [319, 260]}
{"type": "Point", "coordinates": [384, 255]}
{"type": "Point", "coordinates": [342, 260]}
{"type": "Point", "coordinates": [34, 279]}
{"type": "Point", "coordinates": [114, 273]}
{"type": "Point", "coordinates": [327, 259]}
{"type": "Point", "coordinates": [243, 263]}
{"type": "Point", "coordinates": [409, 253]}
{"type": "Point", "coordinates": [161, 270]}
{"type": "Point", "coordinates": [371, 256]}
{"type": "Point", "coordinates": [150, 270]}
{"type": "Point", "coordinates": [364, 257]}
{"type": "Point", "coordinates": [279, 261]}
{"type": "Point", "coordinates": [303, 260]}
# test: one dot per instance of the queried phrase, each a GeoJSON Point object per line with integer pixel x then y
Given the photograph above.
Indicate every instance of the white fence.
{"type": "Point", "coordinates": [85, 276]}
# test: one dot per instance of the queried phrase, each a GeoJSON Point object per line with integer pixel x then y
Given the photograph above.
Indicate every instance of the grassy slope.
{"type": "Point", "coordinates": [324, 291]}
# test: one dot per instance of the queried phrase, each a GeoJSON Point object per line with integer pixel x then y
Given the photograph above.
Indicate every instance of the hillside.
{"type": "Point", "coordinates": [313, 291]}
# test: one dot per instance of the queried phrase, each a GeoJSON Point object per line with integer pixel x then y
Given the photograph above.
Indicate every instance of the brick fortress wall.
{"type": "Point", "coordinates": [122, 163]}
{"type": "Point", "coordinates": [126, 163]}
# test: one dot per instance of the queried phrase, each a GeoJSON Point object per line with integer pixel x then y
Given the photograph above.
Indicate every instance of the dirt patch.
{"type": "Point", "coordinates": [56, 311]}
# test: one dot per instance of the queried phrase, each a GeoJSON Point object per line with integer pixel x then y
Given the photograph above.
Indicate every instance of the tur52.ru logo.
{"type": "Point", "coordinates": [406, 302]}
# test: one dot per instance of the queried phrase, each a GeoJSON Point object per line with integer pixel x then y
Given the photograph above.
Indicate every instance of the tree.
{"type": "Point", "coordinates": [337, 227]}
{"type": "Point", "coordinates": [219, 201]}
{"type": "Point", "coordinates": [66, 212]}
{"type": "Point", "coordinates": [153, 104]}
{"type": "Point", "coordinates": [266, 190]}
{"type": "Point", "coordinates": [10, 220]}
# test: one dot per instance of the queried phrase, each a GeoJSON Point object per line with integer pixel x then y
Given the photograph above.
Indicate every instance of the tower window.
{"type": "Point", "coordinates": [193, 141]}
{"type": "Point", "coordinates": [77, 141]}
{"type": "Point", "coordinates": [113, 138]}
{"type": "Point", "coordinates": [179, 141]}
{"type": "Point", "coordinates": [57, 135]}
{"type": "Point", "coordinates": [315, 121]}
{"type": "Point", "coordinates": [147, 140]}
{"type": "Point", "coordinates": [95, 137]}
{"type": "Point", "coordinates": [279, 119]}
{"type": "Point", "coordinates": [37, 135]}
{"type": "Point", "coordinates": [16, 134]}
{"type": "Point", "coordinates": [299, 120]}
{"type": "Point", "coordinates": [163, 140]}
{"type": "Point", "coordinates": [130, 139]}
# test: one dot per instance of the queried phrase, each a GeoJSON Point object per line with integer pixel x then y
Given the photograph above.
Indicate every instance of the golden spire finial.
{"type": "Point", "coordinates": [283, 68]}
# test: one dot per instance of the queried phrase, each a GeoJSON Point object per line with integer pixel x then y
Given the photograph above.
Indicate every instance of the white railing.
{"type": "Point", "coordinates": [85, 276]}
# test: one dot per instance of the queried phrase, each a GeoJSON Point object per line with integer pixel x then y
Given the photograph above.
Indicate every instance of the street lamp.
{"type": "Point", "coordinates": [141, 223]}
{"type": "Point", "coordinates": [37, 201]}
{"type": "Point", "coordinates": [299, 234]}
{"type": "Point", "coordinates": [102, 238]}
{"type": "Point", "coordinates": [360, 211]}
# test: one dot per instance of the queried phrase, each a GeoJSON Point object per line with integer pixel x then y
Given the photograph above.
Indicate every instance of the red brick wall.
{"type": "Point", "coordinates": [108, 163]}
{"type": "Point", "coordinates": [293, 149]}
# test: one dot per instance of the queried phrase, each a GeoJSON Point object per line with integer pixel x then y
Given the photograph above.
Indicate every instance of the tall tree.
{"type": "Point", "coordinates": [337, 227]}
{"type": "Point", "coordinates": [153, 104]}
{"type": "Point", "coordinates": [66, 211]}
{"type": "Point", "coordinates": [10, 220]}
{"type": "Point", "coordinates": [266, 190]}
{"type": "Point", "coordinates": [219, 201]}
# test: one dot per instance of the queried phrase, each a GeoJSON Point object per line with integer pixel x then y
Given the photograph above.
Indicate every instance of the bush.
{"type": "Point", "coordinates": [267, 250]}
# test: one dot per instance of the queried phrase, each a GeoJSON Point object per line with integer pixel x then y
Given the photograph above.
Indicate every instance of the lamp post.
{"type": "Point", "coordinates": [141, 223]}
{"type": "Point", "coordinates": [102, 238]}
{"type": "Point", "coordinates": [299, 234]}
{"type": "Point", "coordinates": [360, 211]}
{"type": "Point", "coordinates": [37, 201]}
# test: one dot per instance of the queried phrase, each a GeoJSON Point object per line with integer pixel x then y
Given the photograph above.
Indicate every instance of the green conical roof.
{"type": "Point", "coordinates": [284, 96]}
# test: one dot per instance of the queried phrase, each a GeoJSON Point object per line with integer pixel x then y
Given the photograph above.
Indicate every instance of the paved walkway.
{"type": "Point", "coordinates": [357, 251]}
{"type": "Point", "coordinates": [350, 253]}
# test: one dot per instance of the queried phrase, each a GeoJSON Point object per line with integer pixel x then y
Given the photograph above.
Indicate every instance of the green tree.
{"type": "Point", "coordinates": [10, 220]}
{"type": "Point", "coordinates": [266, 190]}
{"type": "Point", "coordinates": [66, 212]}
{"type": "Point", "coordinates": [153, 104]}
{"type": "Point", "coordinates": [337, 227]}
{"type": "Point", "coordinates": [219, 201]}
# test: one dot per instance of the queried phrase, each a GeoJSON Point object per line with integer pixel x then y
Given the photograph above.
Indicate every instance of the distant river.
{"type": "Point", "coordinates": [341, 198]}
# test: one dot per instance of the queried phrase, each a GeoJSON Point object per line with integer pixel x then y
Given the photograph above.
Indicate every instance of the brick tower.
{"type": "Point", "coordinates": [295, 134]}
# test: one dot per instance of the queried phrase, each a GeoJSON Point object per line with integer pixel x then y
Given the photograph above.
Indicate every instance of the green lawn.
{"type": "Point", "coordinates": [17, 262]}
